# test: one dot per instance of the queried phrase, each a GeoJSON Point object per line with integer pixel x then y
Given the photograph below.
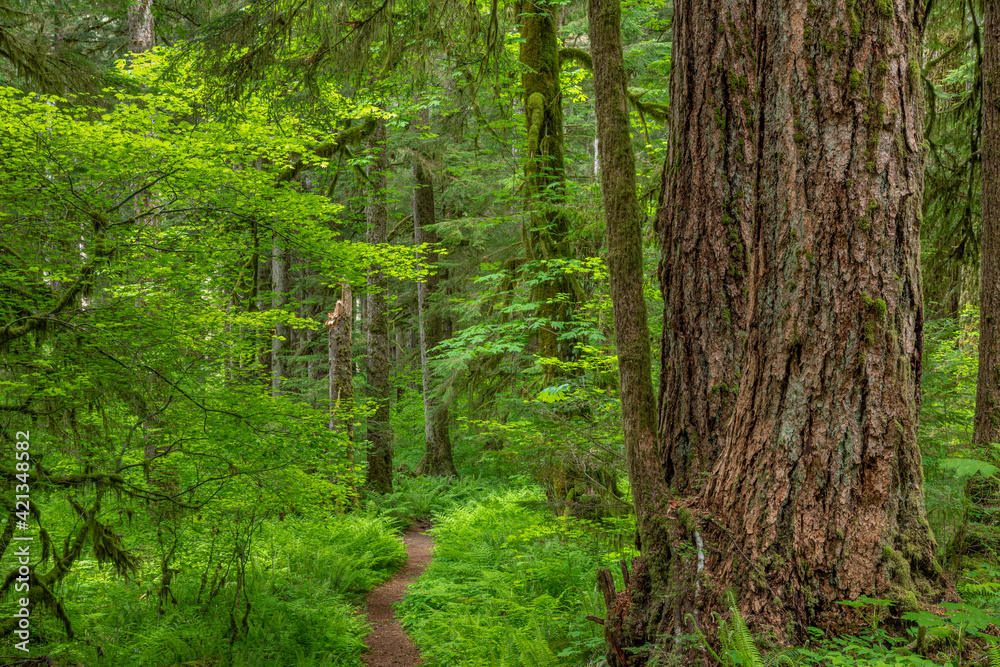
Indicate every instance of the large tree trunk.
{"type": "Point", "coordinates": [437, 453]}
{"type": "Point", "coordinates": [377, 321]}
{"type": "Point", "coordinates": [987, 424]}
{"type": "Point", "coordinates": [706, 210]}
{"type": "Point", "coordinates": [816, 494]}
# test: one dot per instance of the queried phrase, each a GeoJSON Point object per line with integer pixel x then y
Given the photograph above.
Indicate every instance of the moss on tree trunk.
{"type": "Point", "coordinates": [377, 322]}
{"type": "Point", "coordinates": [545, 174]}
{"type": "Point", "coordinates": [437, 458]}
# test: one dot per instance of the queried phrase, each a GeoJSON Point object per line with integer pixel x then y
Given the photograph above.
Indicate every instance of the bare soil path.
{"type": "Point", "coordinates": [388, 644]}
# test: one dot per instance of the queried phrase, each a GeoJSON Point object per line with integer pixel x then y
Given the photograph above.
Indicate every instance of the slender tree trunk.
{"type": "Point", "coordinates": [140, 39]}
{"type": "Point", "coordinates": [279, 341]}
{"type": "Point", "coordinates": [263, 336]}
{"type": "Point", "coordinates": [437, 453]}
{"type": "Point", "coordinates": [623, 221]}
{"type": "Point", "coordinates": [987, 423]}
{"type": "Point", "coordinates": [399, 355]}
{"type": "Point", "coordinates": [141, 36]}
{"type": "Point", "coordinates": [377, 323]}
{"type": "Point", "coordinates": [339, 325]}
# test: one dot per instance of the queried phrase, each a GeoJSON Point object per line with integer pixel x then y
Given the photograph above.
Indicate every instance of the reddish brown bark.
{"type": "Point", "coordinates": [819, 488]}
{"type": "Point", "coordinates": [987, 421]}
{"type": "Point", "coordinates": [706, 210]}
{"type": "Point", "coordinates": [816, 493]}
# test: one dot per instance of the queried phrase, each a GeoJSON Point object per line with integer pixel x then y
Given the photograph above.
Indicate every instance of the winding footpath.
{"type": "Point", "coordinates": [388, 643]}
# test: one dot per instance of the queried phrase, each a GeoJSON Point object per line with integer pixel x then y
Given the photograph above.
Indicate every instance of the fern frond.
{"type": "Point", "coordinates": [744, 642]}
{"type": "Point", "coordinates": [995, 656]}
{"type": "Point", "coordinates": [780, 658]}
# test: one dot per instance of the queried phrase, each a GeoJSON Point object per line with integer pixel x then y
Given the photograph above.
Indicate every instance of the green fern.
{"type": "Point", "coordinates": [737, 639]}
{"type": "Point", "coordinates": [994, 656]}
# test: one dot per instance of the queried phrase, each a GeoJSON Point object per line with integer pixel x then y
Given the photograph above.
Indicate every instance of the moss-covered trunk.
{"type": "Point", "coordinates": [437, 458]}
{"type": "Point", "coordinates": [545, 175]}
{"type": "Point", "coordinates": [377, 321]}
{"type": "Point", "coordinates": [987, 425]}
{"type": "Point", "coordinates": [623, 221]}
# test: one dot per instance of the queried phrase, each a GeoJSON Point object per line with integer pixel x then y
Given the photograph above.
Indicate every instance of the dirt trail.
{"type": "Point", "coordinates": [388, 644]}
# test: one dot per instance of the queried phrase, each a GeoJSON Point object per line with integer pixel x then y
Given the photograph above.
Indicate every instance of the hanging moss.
{"type": "Point", "coordinates": [579, 56]}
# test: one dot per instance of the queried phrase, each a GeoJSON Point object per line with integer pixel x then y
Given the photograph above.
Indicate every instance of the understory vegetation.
{"type": "Point", "coordinates": [291, 596]}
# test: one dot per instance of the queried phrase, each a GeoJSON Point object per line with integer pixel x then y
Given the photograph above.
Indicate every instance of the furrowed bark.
{"type": "Point", "coordinates": [987, 420]}
{"type": "Point", "coordinates": [706, 211]}
{"type": "Point", "coordinates": [377, 321]}
{"type": "Point", "coordinates": [816, 491]}
{"type": "Point", "coordinates": [437, 453]}
{"type": "Point", "coordinates": [818, 494]}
